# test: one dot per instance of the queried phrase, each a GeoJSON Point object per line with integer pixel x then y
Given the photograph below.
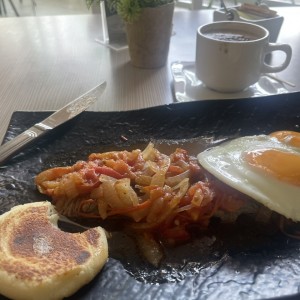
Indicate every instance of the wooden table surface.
{"type": "Point", "coordinates": [45, 62]}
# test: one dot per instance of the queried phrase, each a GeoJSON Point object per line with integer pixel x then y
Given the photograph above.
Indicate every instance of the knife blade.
{"type": "Point", "coordinates": [59, 117]}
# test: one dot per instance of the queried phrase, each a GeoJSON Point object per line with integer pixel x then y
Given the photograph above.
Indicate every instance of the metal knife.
{"type": "Point", "coordinates": [59, 117]}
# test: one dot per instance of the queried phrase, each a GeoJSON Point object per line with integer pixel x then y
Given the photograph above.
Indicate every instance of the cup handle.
{"type": "Point", "coordinates": [277, 47]}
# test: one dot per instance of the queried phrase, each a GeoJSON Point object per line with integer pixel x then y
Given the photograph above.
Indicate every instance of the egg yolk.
{"type": "Point", "coordinates": [281, 165]}
{"type": "Point", "coordinates": [291, 138]}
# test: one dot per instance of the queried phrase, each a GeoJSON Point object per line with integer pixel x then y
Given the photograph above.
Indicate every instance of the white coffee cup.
{"type": "Point", "coordinates": [230, 56]}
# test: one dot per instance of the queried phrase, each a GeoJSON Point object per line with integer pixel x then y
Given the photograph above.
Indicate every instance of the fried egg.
{"type": "Point", "coordinates": [264, 167]}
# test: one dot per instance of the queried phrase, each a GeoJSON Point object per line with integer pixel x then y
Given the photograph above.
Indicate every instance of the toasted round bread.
{"type": "Point", "coordinates": [40, 261]}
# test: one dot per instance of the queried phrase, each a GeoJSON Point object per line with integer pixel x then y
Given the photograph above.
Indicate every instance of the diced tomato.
{"type": "Point", "coordinates": [108, 171]}
{"type": "Point", "coordinates": [175, 169]}
{"type": "Point", "coordinates": [187, 198]}
{"type": "Point", "coordinates": [179, 154]}
{"type": "Point", "coordinates": [90, 175]}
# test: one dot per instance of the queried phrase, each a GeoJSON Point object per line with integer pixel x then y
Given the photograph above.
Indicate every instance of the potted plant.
{"type": "Point", "coordinates": [148, 26]}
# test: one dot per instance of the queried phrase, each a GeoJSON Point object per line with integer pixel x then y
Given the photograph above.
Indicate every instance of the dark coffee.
{"type": "Point", "coordinates": [231, 35]}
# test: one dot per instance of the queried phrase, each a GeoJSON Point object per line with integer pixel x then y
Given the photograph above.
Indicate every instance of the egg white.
{"type": "Point", "coordinates": [226, 163]}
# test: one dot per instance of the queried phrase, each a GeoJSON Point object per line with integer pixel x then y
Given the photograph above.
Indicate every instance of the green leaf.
{"type": "Point", "coordinates": [129, 10]}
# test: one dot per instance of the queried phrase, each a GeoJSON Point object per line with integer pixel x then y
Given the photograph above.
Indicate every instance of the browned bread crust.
{"type": "Point", "coordinates": [39, 261]}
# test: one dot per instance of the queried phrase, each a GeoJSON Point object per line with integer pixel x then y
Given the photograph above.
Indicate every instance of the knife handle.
{"type": "Point", "coordinates": [16, 144]}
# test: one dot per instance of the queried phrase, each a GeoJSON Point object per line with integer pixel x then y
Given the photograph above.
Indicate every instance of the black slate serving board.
{"type": "Point", "coordinates": [247, 264]}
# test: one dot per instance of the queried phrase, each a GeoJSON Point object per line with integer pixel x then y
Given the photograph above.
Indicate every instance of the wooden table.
{"type": "Point", "coordinates": [45, 62]}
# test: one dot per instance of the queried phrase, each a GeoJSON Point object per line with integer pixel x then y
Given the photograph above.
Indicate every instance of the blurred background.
{"type": "Point", "coordinates": [23, 8]}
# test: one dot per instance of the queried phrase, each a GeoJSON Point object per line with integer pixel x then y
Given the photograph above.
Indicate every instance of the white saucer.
{"type": "Point", "coordinates": [188, 87]}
